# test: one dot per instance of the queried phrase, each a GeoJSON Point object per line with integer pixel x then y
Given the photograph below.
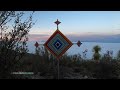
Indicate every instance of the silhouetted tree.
{"type": "Point", "coordinates": [13, 40]}
{"type": "Point", "coordinates": [96, 50]}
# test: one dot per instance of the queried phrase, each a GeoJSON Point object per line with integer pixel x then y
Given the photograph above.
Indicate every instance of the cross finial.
{"type": "Point", "coordinates": [57, 22]}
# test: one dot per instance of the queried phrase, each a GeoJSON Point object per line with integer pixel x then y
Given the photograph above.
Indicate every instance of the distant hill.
{"type": "Point", "coordinates": [96, 38]}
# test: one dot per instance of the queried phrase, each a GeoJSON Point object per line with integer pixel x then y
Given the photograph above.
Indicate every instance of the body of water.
{"type": "Point", "coordinates": [74, 49]}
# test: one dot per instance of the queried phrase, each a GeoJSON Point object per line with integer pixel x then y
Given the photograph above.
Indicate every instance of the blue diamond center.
{"type": "Point", "coordinates": [57, 44]}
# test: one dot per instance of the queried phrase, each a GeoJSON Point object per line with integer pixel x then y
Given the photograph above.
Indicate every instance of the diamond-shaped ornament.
{"type": "Point", "coordinates": [58, 44]}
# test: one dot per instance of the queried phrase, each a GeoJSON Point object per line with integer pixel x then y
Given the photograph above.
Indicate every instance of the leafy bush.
{"type": "Point", "coordinates": [13, 40]}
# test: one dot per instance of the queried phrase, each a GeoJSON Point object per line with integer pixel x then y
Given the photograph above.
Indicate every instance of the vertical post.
{"type": "Point", "coordinates": [1, 32]}
{"type": "Point", "coordinates": [57, 27]}
{"type": "Point", "coordinates": [57, 23]}
{"type": "Point", "coordinates": [58, 69]}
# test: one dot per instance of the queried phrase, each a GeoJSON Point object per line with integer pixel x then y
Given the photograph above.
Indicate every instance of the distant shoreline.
{"type": "Point", "coordinates": [81, 41]}
{"type": "Point", "coordinates": [100, 42]}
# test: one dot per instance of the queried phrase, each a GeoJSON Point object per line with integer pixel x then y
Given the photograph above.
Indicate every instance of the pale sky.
{"type": "Point", "coordinates": [76, 22]}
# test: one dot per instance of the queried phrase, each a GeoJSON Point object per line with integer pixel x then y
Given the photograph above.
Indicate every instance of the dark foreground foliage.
{"type": "Point", "coordinates": [45, 66]}
{"type": "Point", "coordinates": [13, 40]}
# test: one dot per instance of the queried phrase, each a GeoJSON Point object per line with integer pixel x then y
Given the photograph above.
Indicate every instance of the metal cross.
{"type": "Point", "coordinates": [57, 22]}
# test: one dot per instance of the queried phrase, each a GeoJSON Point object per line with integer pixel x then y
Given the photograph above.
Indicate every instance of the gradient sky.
{"type": "Point", "coordinates": [76, 23]}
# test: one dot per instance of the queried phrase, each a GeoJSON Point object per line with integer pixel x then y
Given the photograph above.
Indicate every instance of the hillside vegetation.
{"type": "Point", "coordinates": [45, 66]}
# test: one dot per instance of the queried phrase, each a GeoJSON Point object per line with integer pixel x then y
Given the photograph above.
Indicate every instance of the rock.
{"type": "Point", "coordinates": [85, 77]}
